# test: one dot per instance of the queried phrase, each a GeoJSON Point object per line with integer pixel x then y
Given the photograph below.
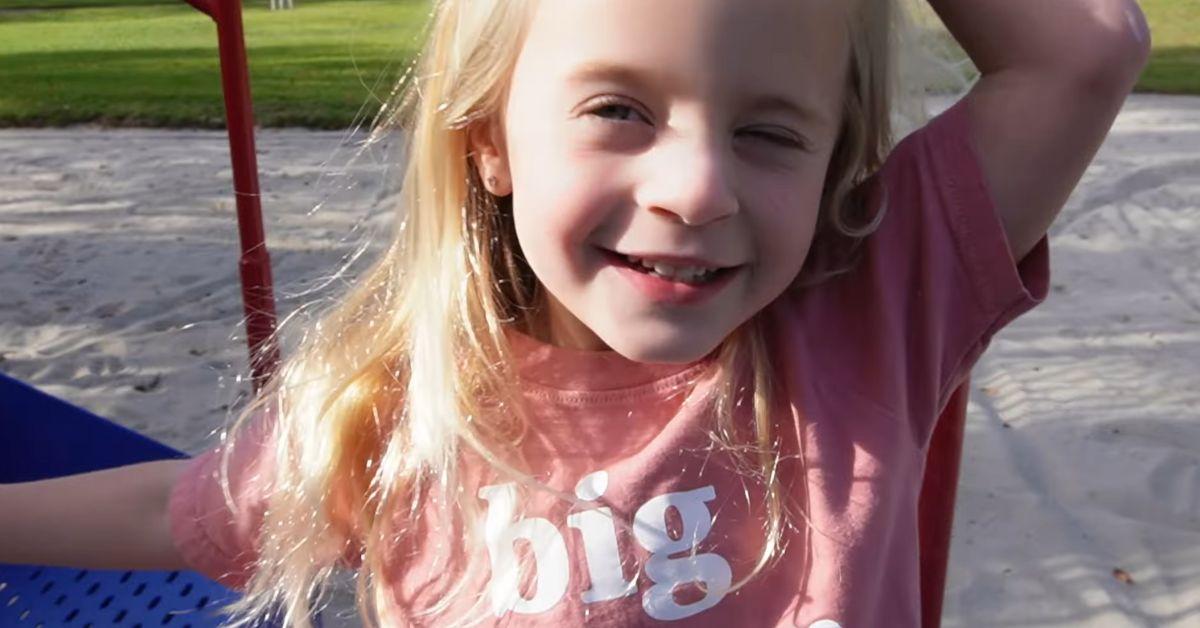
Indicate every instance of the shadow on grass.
{"type": "Point", "coordinates": [62, 5]}
{"type": "Point", "coordinates": [309, 86]}
{"type": "Point", "coordinates": [1172, 70]}
{"type": "Point", "coordinates": [56, 5]}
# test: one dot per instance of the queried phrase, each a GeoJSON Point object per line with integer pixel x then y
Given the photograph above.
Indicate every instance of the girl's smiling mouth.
{"type": "Point", "coordinates": [672, 279]}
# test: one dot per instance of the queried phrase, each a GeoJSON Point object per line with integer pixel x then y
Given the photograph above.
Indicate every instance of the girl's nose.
{"type": "Point", "coordinates": [691, 183]}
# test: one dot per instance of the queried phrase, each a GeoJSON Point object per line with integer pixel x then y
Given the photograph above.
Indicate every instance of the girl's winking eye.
{"type": "Point", "coordinates": [614, 105]}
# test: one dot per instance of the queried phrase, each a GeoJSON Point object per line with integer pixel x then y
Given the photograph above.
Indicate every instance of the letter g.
{"type": "Point", "coordinates": [710, 570]}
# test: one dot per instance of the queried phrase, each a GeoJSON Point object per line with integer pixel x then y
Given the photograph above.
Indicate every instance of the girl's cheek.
{"type": "Point", "coordinates": [554, 217]}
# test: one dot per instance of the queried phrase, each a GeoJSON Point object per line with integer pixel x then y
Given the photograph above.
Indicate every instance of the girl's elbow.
{"type": "Point", "coordinates": [1108, 53]}
{"type": "Point", "coordinates": [1123, 52]}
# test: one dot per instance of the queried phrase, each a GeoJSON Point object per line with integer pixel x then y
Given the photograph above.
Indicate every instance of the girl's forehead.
{"type": "Point", "coordinates": [681, 46]}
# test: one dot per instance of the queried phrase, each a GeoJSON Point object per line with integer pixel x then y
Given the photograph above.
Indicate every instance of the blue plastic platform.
{"type": "Point", "coordinates": [43, 437]}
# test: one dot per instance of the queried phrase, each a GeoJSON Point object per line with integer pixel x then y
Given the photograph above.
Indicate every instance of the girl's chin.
{"type": "Point", "coordinates": [676, 350]}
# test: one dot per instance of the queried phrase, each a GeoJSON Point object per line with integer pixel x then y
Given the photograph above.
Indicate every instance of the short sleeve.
{"type": "Point", "coordinates": [942, 242]}
{"type": "Point", "coordinates": [931, 286]}
{"type": "Point", "coordinates": [213, 539]}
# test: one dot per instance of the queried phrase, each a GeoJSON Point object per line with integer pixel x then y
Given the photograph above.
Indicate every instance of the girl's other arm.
{"type": "Point", "coordinates": [1054, 76]}
{"type": "Point", "coordinates": [110, 519]}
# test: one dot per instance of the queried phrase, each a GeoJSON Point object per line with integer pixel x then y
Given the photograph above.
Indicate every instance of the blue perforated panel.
{"type": "Point", "coordinates": [49, 597]}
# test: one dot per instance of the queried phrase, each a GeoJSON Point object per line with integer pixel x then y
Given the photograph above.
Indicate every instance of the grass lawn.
{"type": "Point", "coordinates": [154, 62]}
{"type": "Point", "coordinates": [1174, 66]}
{"type": "Point", "coordinates": [1175, 30]}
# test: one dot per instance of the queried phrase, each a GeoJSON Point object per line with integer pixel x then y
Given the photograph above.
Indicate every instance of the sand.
{"type": "Point", "coordinates": [1079, 501]}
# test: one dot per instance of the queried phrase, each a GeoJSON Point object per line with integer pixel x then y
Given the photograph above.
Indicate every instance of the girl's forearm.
{"type": "Point", "coordinates": [110, 519]}
{"type": "Point", "coordinates": [1070, 36]}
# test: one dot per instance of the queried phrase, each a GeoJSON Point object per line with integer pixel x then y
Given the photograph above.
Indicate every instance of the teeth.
{"type": "Point", "coordinates": [684, 273]}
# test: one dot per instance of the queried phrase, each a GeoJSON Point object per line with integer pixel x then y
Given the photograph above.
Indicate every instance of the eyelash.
{"type": "Point", "coordinates": [770, 137]}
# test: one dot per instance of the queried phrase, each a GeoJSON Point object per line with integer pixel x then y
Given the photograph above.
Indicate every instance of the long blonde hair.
{"type": "Point", "coordinates": [405, 373]}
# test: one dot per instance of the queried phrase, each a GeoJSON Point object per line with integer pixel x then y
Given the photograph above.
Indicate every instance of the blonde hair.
{"type": "Point", "coordinates": [412, 369]}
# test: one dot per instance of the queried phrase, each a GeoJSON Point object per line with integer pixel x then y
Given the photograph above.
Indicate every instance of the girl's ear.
{"type": "Point", "coordinates": [486, 147]}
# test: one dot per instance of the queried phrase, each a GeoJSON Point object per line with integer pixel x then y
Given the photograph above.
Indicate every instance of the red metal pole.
{"type": "Point", "coordinates": [936, 509]}
{"type": "Point", "coordinates": [258, 298]}
{"type": "Point", "coordinates": [203, 6]}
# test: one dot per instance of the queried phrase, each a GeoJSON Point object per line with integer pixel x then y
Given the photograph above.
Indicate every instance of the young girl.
{"type": "Point", "coordinates": [666, 322]}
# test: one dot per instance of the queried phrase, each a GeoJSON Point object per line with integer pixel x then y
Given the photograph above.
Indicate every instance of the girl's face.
{"type": "Point", "coordinates": [664, 129]}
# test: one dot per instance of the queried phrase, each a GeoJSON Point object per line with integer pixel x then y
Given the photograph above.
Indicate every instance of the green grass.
{"type": "Point", "coordinates": [1175, 31]}
{"type": "Point", "coordinates": [75, 4]}
{"type": "Point", "coordinates": [1174, 66]}
{"type": "Point", "coordinates": [154, 62]}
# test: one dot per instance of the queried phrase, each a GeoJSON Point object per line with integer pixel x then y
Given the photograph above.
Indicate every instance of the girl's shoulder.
{"type": "Point", "coordinates": [931, 284]}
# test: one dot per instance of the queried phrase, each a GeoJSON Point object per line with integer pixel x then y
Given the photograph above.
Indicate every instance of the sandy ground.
{"type": "Point", "coordinates": [1079, 502]}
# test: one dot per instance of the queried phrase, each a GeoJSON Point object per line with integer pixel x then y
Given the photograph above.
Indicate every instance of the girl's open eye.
{"type": "Point", "coordinates": [611, 105]}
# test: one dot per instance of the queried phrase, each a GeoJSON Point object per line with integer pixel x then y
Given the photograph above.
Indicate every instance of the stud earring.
{"type": "Point", "coordinates": [492, 182]}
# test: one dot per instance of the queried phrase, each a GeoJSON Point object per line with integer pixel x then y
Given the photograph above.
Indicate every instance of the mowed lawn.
{"type": "Point", "coordinates": [1175, 30]}
{"type": "Point", "coordinates": [325, 64]}
{"type": "Point", "coordinates": [1174, 66]}
{"type": "Point", "coordinates": [154, 62]}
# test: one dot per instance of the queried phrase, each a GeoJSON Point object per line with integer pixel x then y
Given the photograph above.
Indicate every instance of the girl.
{"type": "Point", "coordinates": [665, 325]}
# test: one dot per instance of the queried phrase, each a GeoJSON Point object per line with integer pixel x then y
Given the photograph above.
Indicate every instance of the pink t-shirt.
{"type": "Point", "coordinates": [667, 524]}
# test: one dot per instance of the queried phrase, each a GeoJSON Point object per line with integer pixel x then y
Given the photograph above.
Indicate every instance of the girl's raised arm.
{"type": "Point", "coordinates": [1054, 76]}
{"type": "Point", "coordinates": [110, 519]}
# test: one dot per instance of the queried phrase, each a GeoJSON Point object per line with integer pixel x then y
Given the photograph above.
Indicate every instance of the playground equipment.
{"type": "Point", "coordinates": [258, 298]}
{"type": "Point", "coordinates": [935, 514]}
{"type": "Point", "coordinates": [44, 437]}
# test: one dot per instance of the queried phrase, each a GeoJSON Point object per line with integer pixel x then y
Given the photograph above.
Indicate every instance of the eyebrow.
{"type": "Point", "coordinates": [601, 71]}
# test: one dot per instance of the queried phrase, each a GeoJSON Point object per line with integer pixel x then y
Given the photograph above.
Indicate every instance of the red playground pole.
{"type": "Point", "coordinates": [258, 298]}
{"type": "Point", "coordinates": [936, 508]}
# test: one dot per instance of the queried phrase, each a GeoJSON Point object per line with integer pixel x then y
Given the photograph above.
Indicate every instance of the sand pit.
{"type": "Point", "coordinates": [1080, 496]}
